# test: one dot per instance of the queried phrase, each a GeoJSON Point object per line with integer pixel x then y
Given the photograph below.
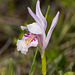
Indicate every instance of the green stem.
{"type": "Point", "coordinates": [32, 66]}
{"type": "Point", "coordinates": [44, 57]}
{"type": "Point", "coordinates": [47, 12]}
{"type": "Point", "coordinates": [43, 64]}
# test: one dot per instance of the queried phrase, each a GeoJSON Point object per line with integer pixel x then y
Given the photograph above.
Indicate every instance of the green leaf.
{"type": "Point", "coordinates": [10, 67]}
{"type": "Point", "coordinates": [69, 73]}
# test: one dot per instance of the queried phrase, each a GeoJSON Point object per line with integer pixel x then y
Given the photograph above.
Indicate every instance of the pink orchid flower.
{"type": "Point", "coordinates": [36, 35]}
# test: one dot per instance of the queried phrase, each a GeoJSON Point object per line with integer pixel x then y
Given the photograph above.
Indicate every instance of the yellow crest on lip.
{"type": "Point", "coordinates": [29, 39]}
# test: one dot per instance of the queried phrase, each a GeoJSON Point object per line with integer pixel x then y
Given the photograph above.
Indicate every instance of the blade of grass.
{"type": "Point", "coordinates": [47, 12]}
{"type": "Point", "coordinates": [32, 66]}
{"type": "Point", "coordinates": [10, 71]}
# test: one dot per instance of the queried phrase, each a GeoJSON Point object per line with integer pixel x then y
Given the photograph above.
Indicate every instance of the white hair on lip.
{"type": "Point", "coordinates": [25, 43]}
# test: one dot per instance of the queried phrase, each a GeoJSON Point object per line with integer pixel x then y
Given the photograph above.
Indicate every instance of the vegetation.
{"type": "Point", "coordinates": [60, 51]}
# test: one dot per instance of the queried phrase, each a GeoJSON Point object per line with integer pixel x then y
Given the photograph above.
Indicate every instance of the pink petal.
{"type": "Point", "coordinates": [35, 17]}
{"type": "Point", "coordinates": [34, 28]}
{"type": "Point", "coordinates": [39, 14]}
{"type": "Point", "coordinates": [23, 28]}
{"type": "Point", "coordinates": [54, 22]}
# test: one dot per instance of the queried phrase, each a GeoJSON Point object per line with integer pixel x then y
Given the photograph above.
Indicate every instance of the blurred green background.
{"type": "Point", "coordinates": [60, 50]}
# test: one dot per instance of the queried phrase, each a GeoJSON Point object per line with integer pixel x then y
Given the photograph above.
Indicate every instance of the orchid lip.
{"type": "Point", "coordinates": [30, 38]}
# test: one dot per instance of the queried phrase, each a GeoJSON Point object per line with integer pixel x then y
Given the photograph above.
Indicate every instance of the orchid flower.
{"type": "Point", "coordinates": [36, 32]}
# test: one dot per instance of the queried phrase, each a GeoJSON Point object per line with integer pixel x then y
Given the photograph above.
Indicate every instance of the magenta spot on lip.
{"type": "Point", "coordinates": [34, 39]}
{"type": "Point", "coordinates": [27, 34]}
